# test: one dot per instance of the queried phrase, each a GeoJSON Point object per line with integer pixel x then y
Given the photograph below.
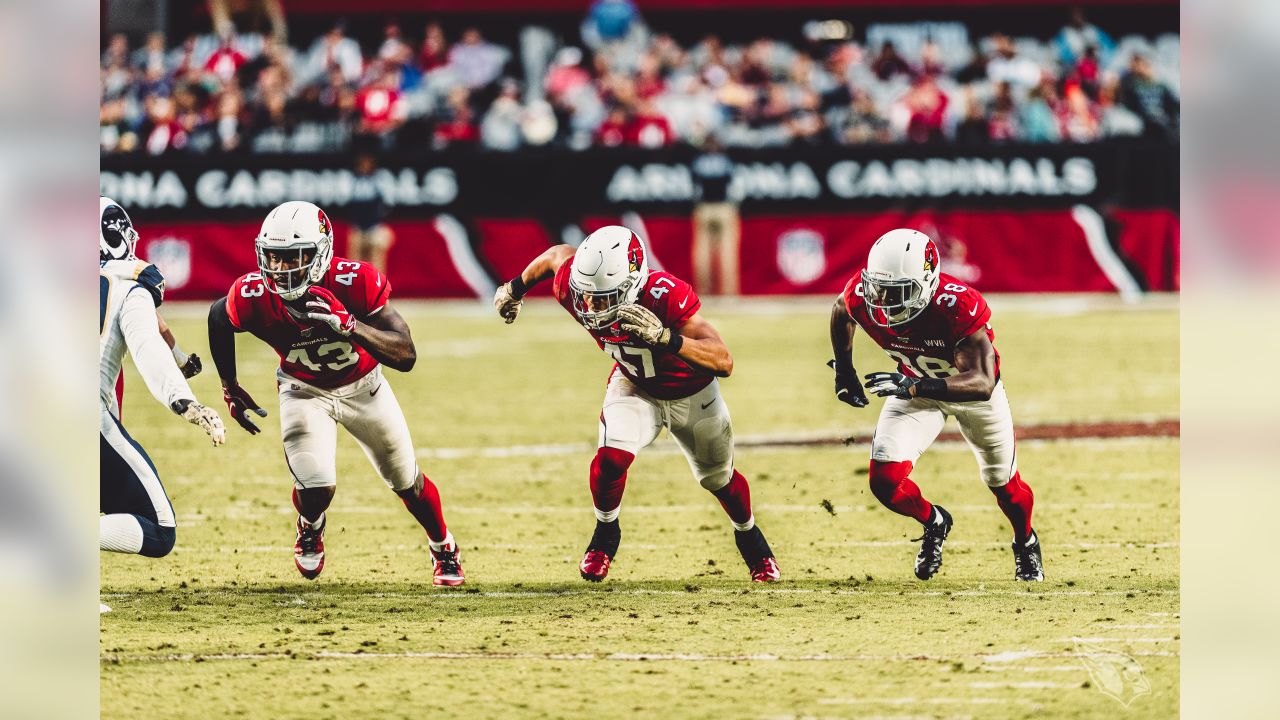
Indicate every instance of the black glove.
{"type": "Point", "coordinates": [192, 367]}
{"type": "Point", "coordinates": [848, 390]}
{"type": "Point", "coordinates": [891, 384]}
{"type": "Point", "coordinates": [241, 404]}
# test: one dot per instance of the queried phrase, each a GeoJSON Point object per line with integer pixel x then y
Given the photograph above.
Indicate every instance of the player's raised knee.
{"type": "Point", "coordinates": [158, 541]}
{"type": "Point", "coordinates": [612, 462]}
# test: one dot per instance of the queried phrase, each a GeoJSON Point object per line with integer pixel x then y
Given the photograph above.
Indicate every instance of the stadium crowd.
{"type": "Point", "coordinates": [623, 84]}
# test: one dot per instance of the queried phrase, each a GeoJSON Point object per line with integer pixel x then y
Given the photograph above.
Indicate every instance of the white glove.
{"type": "Point", "coordinates": [207, 419]}
{"type": "Point", "coordinates": [506, 303]}
{"type": "Point", "coordinates": [641, 323]}
{"type": "Point", "coordinates": [324, 308]}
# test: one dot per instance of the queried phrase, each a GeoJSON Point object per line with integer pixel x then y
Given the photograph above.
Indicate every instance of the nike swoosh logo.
{"type": "Point", "coordinates": [713, 400]}
{"type": "Point", "coordinates": [974, 311]}
{"type": "Point", "coordinates": [375, 390]}
{"type": "Point", "coordinates": [682, 302]}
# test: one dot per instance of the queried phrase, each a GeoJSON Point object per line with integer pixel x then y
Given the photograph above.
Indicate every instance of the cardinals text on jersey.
{"type": "Point", "coordinates": [312, 353]}
{"type": "Point", "coordinates": [925, 346]}
{"type": "Point", "coordinates": [661, 374]}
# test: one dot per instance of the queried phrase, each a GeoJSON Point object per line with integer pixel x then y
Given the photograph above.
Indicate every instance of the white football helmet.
{"type": "Point", "coordinates": [117, 240]}
{"type": "Point", "coordinates": [901, 276]}
{"type": "Point", "coordinates": [294, 230]}
{"type": "Point", "coordinates": [609, 270]}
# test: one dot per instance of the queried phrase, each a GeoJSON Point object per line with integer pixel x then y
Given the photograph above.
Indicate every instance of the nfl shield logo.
{"type": "Point", "coordinates": [801, 256]}
{"type": "Point", "coordinates": [173, 258]}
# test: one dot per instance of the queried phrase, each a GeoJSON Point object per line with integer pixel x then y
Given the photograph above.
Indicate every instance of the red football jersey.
{"type": "Point", "coordinates": [925, 346]}
{"type": "Point", "coordinates": [657, 372]}
{"type": "Point", "coordinates": [314, 355]}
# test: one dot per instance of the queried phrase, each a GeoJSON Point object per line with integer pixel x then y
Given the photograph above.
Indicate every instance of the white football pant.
{"type": "Point", "coordinates": [631, 420]}
{"type": "Point", "coordinates": [908, 427]}
{"type": "Point", "coordinates": [367, 408]}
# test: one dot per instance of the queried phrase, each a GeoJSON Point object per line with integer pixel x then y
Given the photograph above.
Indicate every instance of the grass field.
{"type": "Point", "coordinates": [224, 626]}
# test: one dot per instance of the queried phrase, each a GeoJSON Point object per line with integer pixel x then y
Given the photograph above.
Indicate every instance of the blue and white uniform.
{"type": "Point", "coordinates": [138, 517]}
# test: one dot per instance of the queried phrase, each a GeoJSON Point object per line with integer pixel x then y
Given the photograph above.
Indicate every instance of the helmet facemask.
{"type": "Point", "coordinates": [598, 309]}
{"type": "Point", "coordinates": [289, 271]}
{"type": "Point", "coordinates": [892, 302]}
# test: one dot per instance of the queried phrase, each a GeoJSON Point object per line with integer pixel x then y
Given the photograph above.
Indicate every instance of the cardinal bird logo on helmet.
{"type": "Point", "coordinates": [930, 256]}
{"type": "Point", "coordinates": [635, 254]}
{"type": "Point", "coordinates": [325, 227]}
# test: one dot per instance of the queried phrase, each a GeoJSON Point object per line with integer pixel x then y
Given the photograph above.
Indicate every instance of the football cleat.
{"type": "Point", "coordinates": [766, 571]}
{"type": "Point", "coordinates": [446, 566]}
{"type": "Point", "coordinates": [308, 550]}
{"type": "Point", "coordinates": [1027, 563]}
{"type": "Point", "coordinates": [600, 551]}
{"type": "Point", "coordinates": [929, 559]}
{"type": "Point", "coordinates": [757, 554]}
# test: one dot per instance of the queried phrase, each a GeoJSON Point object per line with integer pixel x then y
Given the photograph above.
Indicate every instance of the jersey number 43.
{"type": "Point", "coordinates": [329, 356]}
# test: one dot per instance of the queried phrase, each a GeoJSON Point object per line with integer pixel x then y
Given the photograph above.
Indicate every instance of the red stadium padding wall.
{"type": "Point", "coordinates": [997, 251]}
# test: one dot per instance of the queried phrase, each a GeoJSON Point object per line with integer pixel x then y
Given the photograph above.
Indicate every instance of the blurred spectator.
{"type": "Point", "coordinates": [226, 61]}
{"type": "Point", "coordinates": [1079, 116]}
{"type": "Point", "coordinates": [648, 127]}
{"type": "Point", "coordinates": [477, 62]}
{"type": "Point", "coordinates": [611, 21]}
{"type": "Point", "coordinates": [1040, 114]}
{"type": "Point", "coordinates": [457, 125]}
{"type": "Point", "coordinates": [716, 224]}
{"type": "Point", "coordinates": [1007, 66]}
{"type": "Point", "coordinates": [162, 130]}
{"type": "Point", "coordinates": [613, 131]}
{"type": "Point", "coordinates": [234, 92]}
{"type": "Point", "coordinates": [925, 107]}
{"type": "Point", "coordinates": [252, 14]}
{"type": "Point", "coordinates": [369, 239]}
{"type": "Point", "coordinates": [435, 51]}
{"type": "Point", "coordinates": [1150, 99]}
{"type": "Point", "coordinates": [500, 129]}
{"type": "Point", "coordinates": [1002, 125]}
{"type": "Point", "coordinates": [1078, 35]}
{"type": "Point", "coordinates": [382, 108]}
{"type": "Point", "coordinates": [889, 63]}
{"type": "Point", "coordinates": [334, 51]}
{"type": "Point", "coordinates": [972, 128]}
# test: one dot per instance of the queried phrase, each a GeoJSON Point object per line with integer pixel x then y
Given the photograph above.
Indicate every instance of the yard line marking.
{"type": "Point", "coordinates": [577, 657]}
{"type": "Point", "coordinates": [1031, 668]}
{"type": "Point", "coordinates": [567, 545]}
{"type": "Point", "coordinates": [1119, 640]}
{"type": "Point", "coordinates": [605, 592]}
{"type": "Point", "coordinates": [925, 701]}
{"type": "Point", "coordinates": [1026, 685]}
{"type": "Point", "coordinates": [1165, 626]}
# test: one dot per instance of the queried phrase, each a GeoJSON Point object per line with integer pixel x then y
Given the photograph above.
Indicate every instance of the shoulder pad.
{"type": "Point", "coordinates": [150, 278]}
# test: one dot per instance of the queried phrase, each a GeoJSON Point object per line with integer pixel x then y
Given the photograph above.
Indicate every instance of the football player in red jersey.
{"type": "Point", "coordinates": [939, 332]}
{"type": "Point", "coordinates": [330, 322]}
{"type": "Point", "coordinates": [667, 358]}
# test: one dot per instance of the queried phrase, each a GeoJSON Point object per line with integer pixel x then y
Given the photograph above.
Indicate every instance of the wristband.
{"type": "Point", "coordinates": [933, 388]}
{"type": "Point", "coordinates": [518, 288]}
{"type": "Point", "coordinates": [675, 343]}
{"type": "Point", "coordinates": [179, 356]}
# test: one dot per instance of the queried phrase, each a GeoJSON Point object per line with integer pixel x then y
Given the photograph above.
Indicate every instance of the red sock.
{"type": "Point", "coordinates": [425, 508]}
{"type": "Point", "coordinates": [609, 477]}
{"type": "Point", "coordinates": [894, 490]}
{"type": "Point", "coordinates": [1016, 499]}
{"type": "Point", "coordinates": [735, 498]}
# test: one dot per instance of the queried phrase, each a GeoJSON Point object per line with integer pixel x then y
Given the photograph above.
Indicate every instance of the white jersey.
{"type": "Point", "coordinates": [129, 293]}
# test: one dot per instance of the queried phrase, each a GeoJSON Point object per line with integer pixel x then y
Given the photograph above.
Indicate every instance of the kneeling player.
{"type": "Point", "coordinates": [942, 340]}
{"type": "Point", "coordinates": [667, 360]}
{"type": "Point", "coordinates": [330, 322]}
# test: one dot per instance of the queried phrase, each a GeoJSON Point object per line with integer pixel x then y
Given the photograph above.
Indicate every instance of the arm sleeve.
{"type": "Point", "coordinates": [150, 353]}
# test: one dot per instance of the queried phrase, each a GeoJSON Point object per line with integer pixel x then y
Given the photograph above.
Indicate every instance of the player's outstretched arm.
{"type": "Point", "coordinates": [386, 336]}
{"type": "Point", "coordinates": [510, 295]}
{"type": "Point", "coordinates": [222, 347]}
{"type": "Point", "coordinates": [848, 388]}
